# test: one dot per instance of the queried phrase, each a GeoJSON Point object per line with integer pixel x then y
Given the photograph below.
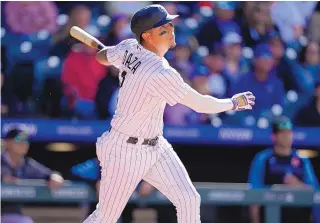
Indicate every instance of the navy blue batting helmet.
{"type": "Point", "coordinates": [149, 17]}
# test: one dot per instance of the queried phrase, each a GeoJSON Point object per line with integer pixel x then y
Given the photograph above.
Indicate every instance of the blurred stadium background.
{"type": "Point", "coordinates": [52, 87]}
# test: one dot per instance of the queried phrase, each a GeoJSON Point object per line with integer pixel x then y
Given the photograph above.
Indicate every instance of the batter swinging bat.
{"type": "Point", "coordinates": [85, 38]}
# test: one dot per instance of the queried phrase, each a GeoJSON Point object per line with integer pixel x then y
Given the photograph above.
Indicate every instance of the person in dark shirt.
{"type": "Point", "coordinates": [213, 31]}
{"type": "Point", "coordinates": [282, 165]}
{"type": "Point", "coordinates": [9, 101]}
{"type": "Point", "coordinates": [309, 115]}
{"type": "Point", "coordinates": [80, 15]}
{"type": "Point", "coordinates": [235, 64]}
{"type": "Point", "coordinates": [106, 89]}
{"type": "Point", "coordinates": [117, 30]}
{"type": "Point", "coordinates": [281, 67]}
{"type": "Point", "coordinates": [256, 22]}
{"type": "Point", "coordinates": [15, 166]}
{"type": "Point", "coordinates": [268, 88]}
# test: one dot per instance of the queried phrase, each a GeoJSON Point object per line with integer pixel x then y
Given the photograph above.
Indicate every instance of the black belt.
{"type": "Point", "coordinates": [150, 142]}
{"type": "Point", "coordinates": [134, 140]}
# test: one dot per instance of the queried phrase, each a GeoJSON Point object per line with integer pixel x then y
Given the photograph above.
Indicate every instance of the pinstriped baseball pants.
{"type": "Point", "coordinates": [124, 165]}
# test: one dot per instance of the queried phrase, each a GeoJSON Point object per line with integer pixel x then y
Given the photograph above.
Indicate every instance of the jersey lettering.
{"type": "Point", "coordinates": [131, 60]}
{"type": "Point", "coordinates": [136, 67]}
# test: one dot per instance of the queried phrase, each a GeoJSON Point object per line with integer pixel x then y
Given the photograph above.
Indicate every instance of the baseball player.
{"type": "Point", "coordinates": [134, 147]}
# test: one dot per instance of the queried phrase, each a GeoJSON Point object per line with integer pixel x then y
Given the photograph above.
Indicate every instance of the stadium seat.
{"type": "Point", "coordinates": [41, 38]}
{"type": "Point", "coordinates": [294, 102]}
{"type": "Point", "coordinates": [85, 109]}
{"type": "Point", "coordinates": [23, 52]}
{"type": "Point", "coordinates": [44, 68]}
{"type": "Point", "coordinates": [235, 118]}
{"type": "Point", "coordinates": [10, 39]}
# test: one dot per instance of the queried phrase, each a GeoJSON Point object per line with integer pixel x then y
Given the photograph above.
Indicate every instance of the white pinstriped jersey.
{"type": "Point", "coordinates": [147, 83]}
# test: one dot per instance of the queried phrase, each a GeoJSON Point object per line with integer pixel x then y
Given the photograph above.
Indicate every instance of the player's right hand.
{"type": "Point", "coordinates": [243, 101]}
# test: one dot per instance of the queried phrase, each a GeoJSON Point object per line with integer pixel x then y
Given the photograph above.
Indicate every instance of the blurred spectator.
{"type": "Point", "coordinates": [30, 17]}
{"type": "Point", "coordinates": [213, 82]}
{"type": "Point", "coordinates": [314, 24]}
{"type": "Point", "coordinates": [181, 58]}
{"type": "Point", "coordinates": [281, 66]}
{"type": "Point", "coordinates": [291, 18]}
{"type": "Point", "coordinates": [277, 47]}
{"type": "Point", "coordinates": [8, 100]}
{"type": "Point", "coordinates": [66, 6]}
{"type": "Point", "coordinates": [267, 88]}
{"type": "Point", "coordinates": [79, 16]}
{"type": "Point", "coordinates": [15, 166]}
{"type": "Point", "coordinates": [106, 89]}
{"type": "Point", "coordinates": [128, 8]}
{"type": "Point", "coordinates": [4, 102]}
{"type": "Point", "coordinates": [172, 8]}
{"type": "Point", "coordinates": [212, 32]}
{"type": "Point", "coordinates": [256, 22]}
{"type": "Point", "coordinates": [282, 165]}
{"type": "Point", "coordinates": [119, 23]}
{"type": "Point", "coordinates": [235, 65]}
{"type": "Point", "coordinates": [50, 98]}
{"type": "Point", "coordinates": [309, 115]}
{"type": "Point", "coordinates": [81, 74]}
{"type": "Point", "coordinates": [306, 69]}
{"type": "Point", "coordinates": [22, 78]}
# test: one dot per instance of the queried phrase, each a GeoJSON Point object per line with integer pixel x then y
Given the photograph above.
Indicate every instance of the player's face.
{"type": "Point", "coordinates": [284, 138]}
{"type": "Point", "coordinates": [264, 64]}
{"type": "Point", "coordinates": [19, 148]}
{"type": "Point", "coordinates": [163, 37]}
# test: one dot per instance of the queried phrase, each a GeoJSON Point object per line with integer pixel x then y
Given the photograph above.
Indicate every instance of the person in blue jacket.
{"type": "Point", "coordinates": [282, 165]}
{"type": "Point", "coordinates": [305, 70]}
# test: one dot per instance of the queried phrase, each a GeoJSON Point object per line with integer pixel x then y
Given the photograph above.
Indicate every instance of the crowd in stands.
{"type": "Point", "coordinates": [223, 48]}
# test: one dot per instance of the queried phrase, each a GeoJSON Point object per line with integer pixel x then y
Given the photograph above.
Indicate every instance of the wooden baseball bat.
{"type": "Point", "coordinates": [85, 37]}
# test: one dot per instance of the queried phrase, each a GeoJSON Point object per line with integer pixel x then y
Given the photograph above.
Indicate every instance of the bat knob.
{"type": "Point", "coordinates": [100, 46]}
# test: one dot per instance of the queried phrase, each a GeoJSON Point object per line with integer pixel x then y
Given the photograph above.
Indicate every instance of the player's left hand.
{"type": "Point", "coordinates": [292, 180]}
{"type": "Point", "coordinates": [243, 101]}
{"type": "Point", "coordinates": [55, 181]}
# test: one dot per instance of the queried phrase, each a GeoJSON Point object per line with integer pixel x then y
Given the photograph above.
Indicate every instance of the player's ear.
{"type": "Point", "coordinates": [146, 36]}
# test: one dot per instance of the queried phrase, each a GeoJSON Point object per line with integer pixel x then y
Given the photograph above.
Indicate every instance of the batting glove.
{"type": "Point", "coordinates": [243, 101]}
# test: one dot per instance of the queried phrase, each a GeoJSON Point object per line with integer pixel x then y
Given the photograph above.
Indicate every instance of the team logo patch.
{"type": "Point", "coordinates": [295, 161]}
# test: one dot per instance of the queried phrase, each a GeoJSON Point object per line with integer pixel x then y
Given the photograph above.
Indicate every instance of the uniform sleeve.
{"type": "Point", "coordinates": [309, 175]}
{"type": "Point", "coordinates": [115, 53]}
{"type": "Point", "coordinates": [38, 171]}
{"type": "Point", "coordinates": [257, 170]}
{"type": "Point", "coordinates": [169, 86]}
{"type": "Point", "coordinates": [5, 171]}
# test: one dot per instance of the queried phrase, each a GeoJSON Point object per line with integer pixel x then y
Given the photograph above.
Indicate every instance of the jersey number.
{"type": "Point", "coordinates": [123, 75]}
